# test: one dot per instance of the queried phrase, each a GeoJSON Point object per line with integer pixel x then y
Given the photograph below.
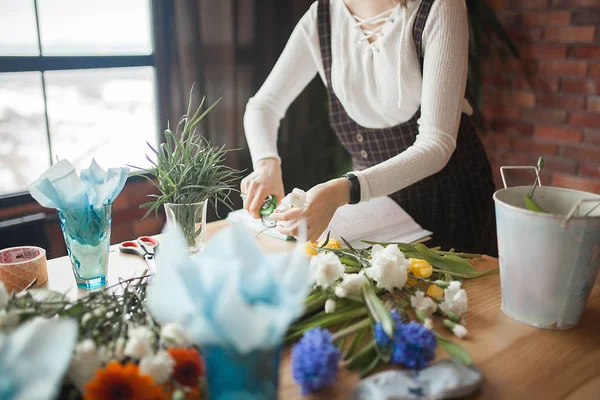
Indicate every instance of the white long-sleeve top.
{"type": "Point", "coordinates": [379, 84]}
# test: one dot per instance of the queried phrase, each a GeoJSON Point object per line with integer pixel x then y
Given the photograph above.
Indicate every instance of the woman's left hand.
{"type": "Point", "coordinates": [323, 200]}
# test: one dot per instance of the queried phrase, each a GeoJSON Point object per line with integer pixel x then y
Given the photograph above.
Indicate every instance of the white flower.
{"type": "Point", "coordinates": [326, 269]}
{"type": "Point", "coordinates": [84, 363]}
{"type": "Point", "coordinates": [423, 303]}
{"type": "Point", "coordinates": [120, 349]}
{"type": "Point", "coordinates": [329, 306]}
{"type": "Point", "coordinates": [459, 331]}
{"type": "Point", "coordinates": [455, 299]}
{"type": "Point", "coordinates": [104, 353]}
{"type": "Point", "coordinates": [388, 267]}
{"type": "Point", "coordinates": [141, 332]}
{"type": "Point", "coordinates": [9, 319]}
{"type": "Point", "coordinates": [86, 348]}
{"type": "Point", "coordinates": [296, 199]}
{"type": "Point", "coordinates": [428, 323]}
{"type": "Point", "coordinates": [159, 366]}
{"type": "Point", "coordinates": [351, 284]}
{"type": "Point", "coordinates": [3, 296]}
{"type": "Point", "coordinates": [139, 343]}
{"type": "Point", "coordinates": [178, 395]}
{"type": "Point", "coordinates": [173, 335]}
{"type": "Point", "coordinates": [137, 348]}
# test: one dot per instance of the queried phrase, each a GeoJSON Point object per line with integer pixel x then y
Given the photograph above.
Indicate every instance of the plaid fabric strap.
{"type": "Point", "coordinates": [324, 25]}
{"type": "Point", "coordinates": [419, 27]}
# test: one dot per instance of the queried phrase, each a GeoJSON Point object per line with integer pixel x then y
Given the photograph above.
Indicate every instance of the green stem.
{"type": "Point", "coordinates": [467, 276]}
{"type": "Point", "coordinates": [343, 252]}
{"type": "Point", "coordinates": [315, 304]}
{"type": "Point", "coordinates": [332, 319]}
{"type": "Point", "coordinates": [461, 255]}
{"type": "Point", "coordinates": [351, 329]}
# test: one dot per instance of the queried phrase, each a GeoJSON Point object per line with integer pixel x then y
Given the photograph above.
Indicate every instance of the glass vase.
{"type": "Point", "coordinates": [87, 237]}
{"type": "Point", "coordinates": [231, 375]}
{"type": "Point", "coordinates": [192, 220]}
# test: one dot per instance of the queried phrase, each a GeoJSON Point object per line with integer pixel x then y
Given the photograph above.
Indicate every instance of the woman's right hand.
{"type": "Point", "coordinates": [264, 181]}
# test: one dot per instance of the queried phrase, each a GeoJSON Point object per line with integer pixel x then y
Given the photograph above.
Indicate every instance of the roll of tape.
{"type": "Point", "coordinates": [19, 266]}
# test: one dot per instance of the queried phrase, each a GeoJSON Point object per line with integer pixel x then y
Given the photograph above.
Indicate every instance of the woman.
{"type": "Point", "coordinates": [395, 73]}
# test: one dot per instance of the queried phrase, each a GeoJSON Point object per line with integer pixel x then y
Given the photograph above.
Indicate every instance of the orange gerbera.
{"type": "Point", "coordinates": [122, 382]}
{"type": "Point", "coordinates": [189, 366]}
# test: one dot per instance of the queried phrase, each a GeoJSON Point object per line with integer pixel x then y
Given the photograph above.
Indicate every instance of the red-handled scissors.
{"type": "Point", "coordinates": [144, 247]}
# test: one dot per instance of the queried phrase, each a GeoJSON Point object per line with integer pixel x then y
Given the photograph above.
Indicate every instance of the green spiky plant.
{"type": "Point", "coordinates": [187, 170]}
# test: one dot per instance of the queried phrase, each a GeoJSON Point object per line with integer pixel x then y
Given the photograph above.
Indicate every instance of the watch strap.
{"type": "Point", "coordinates": [354, 188]}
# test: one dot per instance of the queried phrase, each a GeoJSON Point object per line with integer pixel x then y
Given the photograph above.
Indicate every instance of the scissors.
{"type": "Point", "coordinates": [144, 247]}
{"type": "Point", "coordinates": [268, 207]}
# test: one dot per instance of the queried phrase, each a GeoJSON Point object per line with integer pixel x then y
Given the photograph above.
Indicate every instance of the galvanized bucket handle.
{"type": "Point", "coordinates": [576, 208]}
{"type": "Point", "coordinates": [519, 167]}
{"type": "Point", "coordinates": [573, 210]}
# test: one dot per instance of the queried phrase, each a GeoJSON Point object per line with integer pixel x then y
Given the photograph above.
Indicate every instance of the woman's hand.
{"type": "Point", "coordinates": [264, 181]}
{"type": "Point", "coordinates": [323, 201]}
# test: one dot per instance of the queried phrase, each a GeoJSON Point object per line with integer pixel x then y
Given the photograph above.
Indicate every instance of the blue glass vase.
{"type": "Point", "coordinates": [234, 376]}
{"type": "Point", "coordinates": [87, 236]}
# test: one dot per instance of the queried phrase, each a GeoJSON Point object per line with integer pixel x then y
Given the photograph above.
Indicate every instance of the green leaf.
{"type": "Point", "coordinates": [44, 295]}
{"type": "Point", "coordinates": [363, 357]}
{"type": "Point", "coordinates": [363, 372]}
{"type": "Point", "coordinates": [449, 263]}
{"type": "Point", "coordinates": [326, 242]}
{"type": "Point", "coordinates": [346, 260]}
{"type": "Point", "coordinates": [456, 351]}
{"type": "Point", "coordinates": [377, 310]}
{"type": "Point", "coordinates": [349, 246]}
{"type": "Point", "coordinates": [358, 339]}
{"type": "Point", "coordinates": [532, 205]}
{"type": "Point", "coordinates": [327, 321]}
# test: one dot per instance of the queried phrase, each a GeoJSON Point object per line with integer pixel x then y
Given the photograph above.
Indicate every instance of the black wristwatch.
{"type": "Point", "coordinates": [354, 188]}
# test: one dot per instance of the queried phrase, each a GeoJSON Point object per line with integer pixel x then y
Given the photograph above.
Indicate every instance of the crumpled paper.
{"type": "Point", "coordinates": [446, 379]}
{"type": "Point", "coordinates": [231, 294]}
{"type": "Point", "coordinates": [34, 358]}
{"type": "Point", "coordinates": [60, 187]}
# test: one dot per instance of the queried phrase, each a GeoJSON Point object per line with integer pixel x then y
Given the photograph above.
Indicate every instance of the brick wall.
{"type": "Point", "coordinates": [548, 103]}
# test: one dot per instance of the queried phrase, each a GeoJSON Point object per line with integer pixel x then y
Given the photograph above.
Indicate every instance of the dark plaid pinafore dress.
{"type": "Point", "coordinates": [456, 203]}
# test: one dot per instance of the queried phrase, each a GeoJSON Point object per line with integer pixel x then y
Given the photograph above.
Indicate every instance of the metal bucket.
{"type": "Point", "coordinates": [548, 262]}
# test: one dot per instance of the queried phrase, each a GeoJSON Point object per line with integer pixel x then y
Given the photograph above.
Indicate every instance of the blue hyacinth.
{"type": "Point", "coordinates": [382, 339]}
{"type": "Point", "coordinates": [413, 345]}
{"type": "Point", "coordinates": [315, 360]}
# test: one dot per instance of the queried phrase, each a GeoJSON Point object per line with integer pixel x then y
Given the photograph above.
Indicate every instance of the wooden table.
{"type": "Point", "coordinates": [518, 361]}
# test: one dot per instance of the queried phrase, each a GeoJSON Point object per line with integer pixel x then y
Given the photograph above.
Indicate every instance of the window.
{"type": "Point", "coordinates": [77, 81]}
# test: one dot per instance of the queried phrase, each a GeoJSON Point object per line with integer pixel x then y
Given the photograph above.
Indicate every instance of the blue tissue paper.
{"type": "Point", "coordinates": [60, 187]}
{"type": "Point", "coordinates": [231, 295]}
{"type": "Point", "coordinates": [35, 357]}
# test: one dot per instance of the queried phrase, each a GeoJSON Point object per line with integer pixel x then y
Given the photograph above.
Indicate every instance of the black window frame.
{"type": "Point", "coordinates": [41, 63]}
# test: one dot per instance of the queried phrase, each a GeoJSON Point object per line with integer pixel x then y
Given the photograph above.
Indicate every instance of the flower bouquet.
{"type": "Point", "coordinates": [121, 351]}
{"type": "Point", "coordinates": [188, 172]}
{"type": "Point", "coordinates": [384, 303]}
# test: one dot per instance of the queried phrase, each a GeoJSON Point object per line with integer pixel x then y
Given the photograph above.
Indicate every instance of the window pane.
{"type": "Point", "coordinates": [75, 27]}
{"type": "Point", "coordinates": [18, 33]}
{"type": "Point", "coordinates": [24, 151]}
{"type": "Point", "coordinates": [106, 114]}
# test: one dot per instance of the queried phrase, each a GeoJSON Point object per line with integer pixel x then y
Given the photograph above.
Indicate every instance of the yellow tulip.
{"type": "Point", "coordinates": [310, 249]}
{"type": "Point", "coordinates": [411, 281]}
{"type": "Point", "coordinates": [435, 291]}
{"type": "Point", "coordinates": [331, 244]}
{"type": "Point", "coordinates": [420, 268]}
